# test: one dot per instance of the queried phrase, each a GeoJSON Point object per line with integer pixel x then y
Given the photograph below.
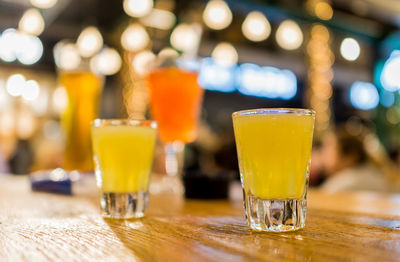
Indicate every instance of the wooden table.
{"type": "Point", "coordinates": [47, 227]}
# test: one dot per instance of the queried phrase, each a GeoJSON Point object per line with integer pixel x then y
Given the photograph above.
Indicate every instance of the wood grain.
{"type": "Point", "coordinates": [46, 227]}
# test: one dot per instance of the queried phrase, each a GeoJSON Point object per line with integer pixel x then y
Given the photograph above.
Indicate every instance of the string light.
{"type": "Point", "coordinates": [134, 38]}
{"type": "Point", "coordinates": [137, 8]}
{"type": "Point", "coordinates": [289, 35]}
{"type": "Point", "coordinates": [320, 75]}
{"type": "Point", "coordinates": [31, 22]}
{"type": "Point", "coordinates": [89, 41]}
{"type": "Point", "coordinates": [323, 10]}
{"type": "Point", "coordinates": [225, 54]}
{"type": "Point", "coordinates": [256, 27]}
{"type": "Point", "coordinates": [217, 15]}
{"type": "Point", "coordinates": [350, 49]}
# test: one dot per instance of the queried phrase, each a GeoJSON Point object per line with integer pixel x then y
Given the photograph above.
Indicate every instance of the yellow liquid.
{"type": "Point", "coordinates": [83, 89]}
{"type": "Point", "coordinates": [124, 155]}
{"type": "Point", "coordinates": [274, 154]}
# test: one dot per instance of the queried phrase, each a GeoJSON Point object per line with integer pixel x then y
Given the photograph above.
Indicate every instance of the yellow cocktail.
{"type": "Point", "coordinates": [123, 154]}
{"type": "Point", "coordinates": [274, 148]}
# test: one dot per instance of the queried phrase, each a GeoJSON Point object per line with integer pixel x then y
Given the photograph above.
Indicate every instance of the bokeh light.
{"type": "Point", "coordinates": [137, 8]}
{"type": "Point", "coordinates": [387, 98]}
{"type": "Point", "coordinates": [160, 19]}
{"type": "Point", "coordinates": [216, 77]}
{"type": "Point", "coordinates": [225, 54]}
{"type": "Point", "coordinates": [30, 49]}
{"type": "Point", "coordinates": [184, 37]}
{"type": "Point", "coordinates": [289, 35]}
{"type": "Point", "coordinates": [8, 42]}
{"type": "Point", "coordinates": [15, 84]}
{"type": "Point", "coordinates": [134, 38]}
{"type": "Point", "coordinates": [256, 27]}
{"type": "Point", "coordinates": [89, 41]}
{"type": "Point", "coordinates": [31, 22]}
{"type": "Point", "coordinates": [323, 10]}
{"type": "Point", "coordinates": [267, 82]}
{"type": "Point", "coordinates": [217, 15]}
{"type": "Point", "coordinates": [59, 100]}
{"type": "Point", "coordinates": [43, 4]}
{"type": "Point", "coordinates": [350, 49]}
{"type": "Point", "coordinates": [364, 95]}
{"type": "Point", "coordinates": [30, 90]}
{"type": "Point", "coordinates": [390, 76]}
{"type": "Point", "coordinates": [66, 55]}
{"type": "Point", "coordinates": [107, 62]}
{"type": "Point", "coordinates": [143, 61]}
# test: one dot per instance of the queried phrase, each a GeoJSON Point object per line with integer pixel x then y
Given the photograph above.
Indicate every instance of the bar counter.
{"type": "Point", "coordinates": [47, 227]}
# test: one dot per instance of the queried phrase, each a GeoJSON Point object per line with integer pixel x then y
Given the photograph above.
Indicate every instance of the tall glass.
{"type": "Point", "coordinates": [274, 151]}
{"type": "Point", "coordinates": [175, 102]}
{"type": "Point", "coordinates": [83, 89]}
{"type": "Point", "coordinates": [123, 154]}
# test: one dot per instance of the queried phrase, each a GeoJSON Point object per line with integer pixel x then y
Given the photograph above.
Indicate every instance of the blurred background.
{"type": "Point", "coordinates": [340, 58]}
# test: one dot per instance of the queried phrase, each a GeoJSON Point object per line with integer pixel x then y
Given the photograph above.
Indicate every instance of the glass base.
{"type": "Point", "coordinates": [124, 205]}
{"type": "Point", "coordinates": [275, 215]}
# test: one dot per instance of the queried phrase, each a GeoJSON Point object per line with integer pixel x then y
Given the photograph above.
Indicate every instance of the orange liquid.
{"type": "Point", "coordinates": [175, 103]}
{"type": "Point", "coordinates": [83, 89]}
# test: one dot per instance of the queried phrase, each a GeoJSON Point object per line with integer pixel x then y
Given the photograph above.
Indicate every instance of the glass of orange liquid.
{"type": "Point", "coordinates": [83, 89]}
{"type": "Point", "coordinates": [175, 103]}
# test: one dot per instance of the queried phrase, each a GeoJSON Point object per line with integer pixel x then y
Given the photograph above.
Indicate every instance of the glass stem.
{"type": "Point", "coordinates": [174, 158]}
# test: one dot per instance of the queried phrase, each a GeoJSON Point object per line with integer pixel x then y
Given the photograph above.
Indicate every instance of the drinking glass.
{"type": "Point", "coordinates": [83, 89]}
{"type": "Point", "coordinates": [274, 151]}
{"type": "Point", "coordinates": [123, 154]}
{"type": "Point", "coordinates": [175, 102]}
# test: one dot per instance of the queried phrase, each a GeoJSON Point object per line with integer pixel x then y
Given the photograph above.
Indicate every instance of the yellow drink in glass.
{"type": "Point", "coordinates": [123, 154]}
{"type": "Point", "coordinates": [274, 149]}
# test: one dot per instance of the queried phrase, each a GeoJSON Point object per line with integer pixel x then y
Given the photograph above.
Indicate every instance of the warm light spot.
{"type": "Point", "coordinates": [142, 62]}
{"type": "Point", "coordinates": [225, 54]}
{"type": "Point", "coordinates": [137, 8]}
{"type": "Point", "coordinates": [43, 4]}
{"type": "Point", "coordinates": [256, 27]}
{"type": "Point", "coordinates": [89, 41]}
{"type": "Point", "coordinates": [31, 22]}
{"type": "Point", "coordinates": [350, 49]}
{"type": "Point", "coordinates": [134, 38]}
{"type": "Point", "coordinates": [107, 62]}
{"type": "Point", "coordinates": [217, 15]}
{"type": "Point", "coordinates": [289, 35]}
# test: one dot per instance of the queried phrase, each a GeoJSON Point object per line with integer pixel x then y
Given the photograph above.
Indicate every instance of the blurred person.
{"type": "Point", "coordinates": [22, 158]}
{"type": "Point", "coordinates": [4, 168]}
{"type": "Point", "coordinates": [349, 165]}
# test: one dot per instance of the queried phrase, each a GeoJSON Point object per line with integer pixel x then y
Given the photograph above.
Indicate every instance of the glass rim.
{"type": "Point", "coordinates": [99, 122]}
{"type": "Point", "coordinates": [274, 111]}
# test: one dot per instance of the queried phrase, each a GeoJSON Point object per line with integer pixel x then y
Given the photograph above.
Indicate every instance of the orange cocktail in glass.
{"type": "Point", "coordinates": [175, 103]}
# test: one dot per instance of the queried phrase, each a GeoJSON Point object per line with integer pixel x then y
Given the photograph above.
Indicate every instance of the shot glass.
{"type": "Point", "coordinates": [123, 154]}
{"type": "Point", "coordinates": [274, 151]}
